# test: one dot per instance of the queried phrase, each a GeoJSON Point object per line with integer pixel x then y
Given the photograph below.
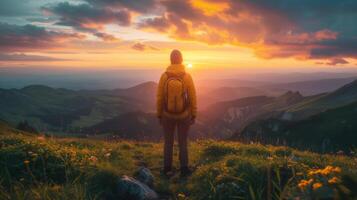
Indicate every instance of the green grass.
{"type": "Point", "coordinates": [34, 167]}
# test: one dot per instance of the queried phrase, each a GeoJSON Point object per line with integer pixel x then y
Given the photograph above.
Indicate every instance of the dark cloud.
{"type": "Point", "coordinates": [106, 37]}
{"type": "Point", "coordinates": [158, 23]}
{"type": "Point", "coordinates": [142, 47]}
{"type": "Point", "coordinates": [341, 46]}
{"type": "Point", "coordinates": [333, 61]}
{"type": "Point", "coordinates": [182, 9]}
{"type": "Point", "coordinates": [135, 5]}
{"type": "Point", "coordinates": [12, 8]}
{"type": "Point", "coordinates": [30, 37]}
{"type": "Point", "coordinates": [25, 57]}
{"type": "Point", "coordinates": [85, 17]}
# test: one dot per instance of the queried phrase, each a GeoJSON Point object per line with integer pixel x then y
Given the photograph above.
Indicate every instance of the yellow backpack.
{"type": "Point", "coordinates": [176, 94]}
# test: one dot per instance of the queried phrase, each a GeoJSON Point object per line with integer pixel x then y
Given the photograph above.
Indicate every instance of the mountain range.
{"type": "Point", "coordinates": [249, 113]}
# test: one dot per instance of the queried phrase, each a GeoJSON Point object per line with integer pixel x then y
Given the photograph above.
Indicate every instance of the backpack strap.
{"type": "Point", "coordinates": [173, 75]}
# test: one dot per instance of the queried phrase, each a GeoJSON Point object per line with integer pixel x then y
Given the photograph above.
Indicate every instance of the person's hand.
{"type": "Point", "coordinates": [192, 120]}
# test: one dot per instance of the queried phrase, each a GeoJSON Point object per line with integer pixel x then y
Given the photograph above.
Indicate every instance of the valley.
{"type": "Point", "coordinates": [226, 113]}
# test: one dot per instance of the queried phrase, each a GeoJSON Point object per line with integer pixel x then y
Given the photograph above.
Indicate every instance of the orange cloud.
{"type": "Point", "coordinates": [272, 29]}
{"type": "Point", "coordinates": [210, 7]}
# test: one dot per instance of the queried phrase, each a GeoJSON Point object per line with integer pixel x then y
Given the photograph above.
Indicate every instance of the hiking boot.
{"type": "Point", "coordinates": [168, 172]}
{"type": "Point", "coordinates": [186, 171]}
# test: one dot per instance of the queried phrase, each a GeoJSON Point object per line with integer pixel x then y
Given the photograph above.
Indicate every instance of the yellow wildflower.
{"type": "Point", "coordinates": [337, 169]}
{"type": "Point", "coordinates": [93, 159]}
{"type": "Point", "coordinates": [301, 185]}
{"type": "Point", "coordinates": [334, 180]}
{"type": "Point", "coordinates": [304, 183]}
{"type": "Point", "coordinates": [316, 186]}
{"type": "Point", "coordinates": [327, 170]}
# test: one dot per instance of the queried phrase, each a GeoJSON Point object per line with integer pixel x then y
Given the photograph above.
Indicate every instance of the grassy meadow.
{"type": "Point", "coordinates": [40, 167]}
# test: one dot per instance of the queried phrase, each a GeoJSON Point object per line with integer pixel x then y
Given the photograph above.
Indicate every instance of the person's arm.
{"type": "Point", "coordinates": [192, 96]}
{"type": "Point", "coordinates": [160, 96]}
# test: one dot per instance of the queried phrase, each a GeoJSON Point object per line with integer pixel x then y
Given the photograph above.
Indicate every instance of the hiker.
{"type": "Point", "coordinates": [176, 109]}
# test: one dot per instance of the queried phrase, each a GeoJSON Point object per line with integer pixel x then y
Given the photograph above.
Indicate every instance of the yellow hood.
{"type": "Point", "coordinates": [176, 69]}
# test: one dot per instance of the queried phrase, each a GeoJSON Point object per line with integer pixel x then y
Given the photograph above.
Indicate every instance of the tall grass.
{"type": "Point", "coordinates": [36, 167]}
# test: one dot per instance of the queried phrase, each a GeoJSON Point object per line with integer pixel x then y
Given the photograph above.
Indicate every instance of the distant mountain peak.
{"type": "Point", "coordinates": [291, 97]}
{"type": "Point", "coordinates": [291, 94]}
{"type": "Point", "coordinates": [145, 85]}
{"type": "Point", "coordinates": [348, 87]}
{"type": "Point", "coordinates": [33, 89]}
{"type": "Point", "coordinates": [37, 87]}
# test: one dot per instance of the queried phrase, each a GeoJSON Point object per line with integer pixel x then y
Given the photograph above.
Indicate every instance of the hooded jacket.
{"type": "Point", "coordinates": [177, 69]}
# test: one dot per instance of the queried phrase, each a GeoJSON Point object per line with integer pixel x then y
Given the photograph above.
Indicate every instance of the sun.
{"type": "Point", "coordinates": [189, 65]}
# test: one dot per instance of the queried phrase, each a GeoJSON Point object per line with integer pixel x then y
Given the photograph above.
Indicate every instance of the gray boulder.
{"type": "Point", "coordinates": [132, 189]}
{"type": "Point", "coordinates": [144, 175]}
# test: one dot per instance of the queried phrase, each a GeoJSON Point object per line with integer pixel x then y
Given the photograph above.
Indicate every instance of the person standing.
{"type": "Point", "coordinates": [176, 110]}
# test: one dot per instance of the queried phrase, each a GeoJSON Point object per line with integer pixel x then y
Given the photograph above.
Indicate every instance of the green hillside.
{"type": "Point", "coordinates": [62, 110]}
{"type": "Point", "coordinates": [341, 97]}
{"type": "Point", "coordinates": [38, 167]}
{"type": "Point", "coordinates": [332, 130]}
{"type": "Point", "coordinates": [324, 123]}
{"type": "Point", "coordinates": [223, 119]}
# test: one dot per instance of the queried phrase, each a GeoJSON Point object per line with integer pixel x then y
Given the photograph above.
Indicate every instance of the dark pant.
{"type": "Point", "coordinates": [182, 127]}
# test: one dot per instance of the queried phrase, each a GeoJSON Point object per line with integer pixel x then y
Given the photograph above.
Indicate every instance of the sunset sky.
{"type": "Point", "coordinates": [238, 34]}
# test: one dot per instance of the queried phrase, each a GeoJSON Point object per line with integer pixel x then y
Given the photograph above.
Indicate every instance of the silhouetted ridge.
{"type": "Point", "coordinates": [147, 89]}
{"type": "Point", "coordinates": [37, 88]}
{"type": "Point", "coordinates": [291, 97]}
{"type": "Point", "coordinates": [146, 85]}
{"type": "Point", "coordinates": [350, 88]}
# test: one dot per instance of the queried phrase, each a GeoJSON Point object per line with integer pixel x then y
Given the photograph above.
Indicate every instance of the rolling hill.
{"type": "Point", "coordinates": [225, 118]}
{"type": "Point", "coordinates": [310, 87]}
{"type": "Point", "coordinates": [62, 109]}
{"type": "Point", "coordinates": [332, 130]}
{"type": "Point", "coordinates": [128, 113]}
{"type": "Point", "coordinates": [324, 122]}
{"type": "Point", "coordinates": [209, 96]}
{"type": "Point", "coordinates": [132, 125]}
{"type": "Point", "coordinates": [340, 97]}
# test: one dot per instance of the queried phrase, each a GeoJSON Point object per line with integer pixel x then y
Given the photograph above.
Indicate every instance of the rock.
{"type": "Point", "coordinates": [293, 158]}
{"type": "Point", "coordinates": [340, 153]}
{"type": "Point", "coordinates": [287, 116]}
{"type": "Point", "coordinates": [144, 175]}
{"type": "Point", "coordinates": [130, 188]}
